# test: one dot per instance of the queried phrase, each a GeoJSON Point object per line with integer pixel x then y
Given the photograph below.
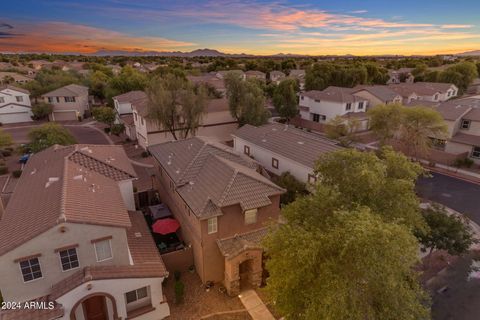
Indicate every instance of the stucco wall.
{"type": "Point", "coordinates": [126, 189]}
{"type": "Point", "coordinates": [329, 109]}
{"type": "Point", "coordinates": [11, 281]}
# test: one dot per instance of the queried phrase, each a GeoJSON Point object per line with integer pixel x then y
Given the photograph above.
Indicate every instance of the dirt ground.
{"type": "Point", "coordinates": [200, 304]}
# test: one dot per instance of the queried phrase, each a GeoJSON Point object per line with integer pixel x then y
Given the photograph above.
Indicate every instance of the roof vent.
{"type": "Point", "coordinates": [34, 171]}
{"type": "Point", "coordinates": [138, 234]}
{"type": "Point", "coordinates": [264, 140]}
{"type": "Point", "coordinates": [169, 162]}
{"type": "Point", "coordinates": [300, 142]}
{"type": "Point", "coordinates": [50, 181]}
{"type": "Point", "coordinates": [177, 171]}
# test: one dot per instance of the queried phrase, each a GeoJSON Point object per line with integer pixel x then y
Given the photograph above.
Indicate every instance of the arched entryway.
{"type": "Point", "coordinates": [243, 271]}
{"type": "Point", "coordinates": [96, 306]}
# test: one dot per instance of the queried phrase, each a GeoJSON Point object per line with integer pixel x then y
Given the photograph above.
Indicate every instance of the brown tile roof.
{"type": "Point", "coordinates": [231, 247]}
{"type": "Point", "coordinates": [130, 96]}
{"type": "Point", "coordinates": [255, 73]}
{"type": "Point", "coordinates": [74, 90]}
{"type": "Point", "coordinates": [276, 73]}
{"type": "Point", "coordinates": [466, 139]}
{"type": "Point", "coordinates": [420, 88]}
{"type": "Point", "coordinates": [209, 79]}
{"type": "Point", "coordinates": [289, 142]}
{"type": "Point", "coordinates": [66, 183]}
{"type": "Point", "coordinates": [297, 73]}
{"type": "Point", "coordinates": [334, 94]}
{"type": "Point", "coordinates": [141, 105]}
{"type": "Point", "coordinates": [9, 86]}
{"type": "Point", "coordinates": [467, 108]}
{"type": "Point", "coordinates": [209, 176]}
{"type": "Point", "coordinates": [383, 93]}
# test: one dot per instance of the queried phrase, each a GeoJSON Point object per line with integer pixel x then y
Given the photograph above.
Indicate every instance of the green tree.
{"type": "Point", "coordinates": [385, 121]}
{"type": "Point", "coordinates": [330, 262]}
{"type": "Point", "coordinates": [342, 130]}
{"type": "Point", "coordinates": [127, 80]}
{"type": "Point", "coordinates": [285, 99]}
{"type": "Point", "coordinates": [461, 74]}
{"type": "Point", "coordinates": [41, 110]}
{"type": "Point", "coordinates": [385, 183]}
{"type": "Point", "coordinates": [445, 232]}
{"type": "Point", "coordinates": [419, 126]}
{"type": "Point", "coordinates": [104, 115]}
{"type": "Point", "coordinates": [97, 83]}
{"type": "Point", "coordinates": [174, 104]}
{"type": "Point", "coordinates": [48, 135]}
{"type": "Point", "coordinates": [294, 187]}
{"type": "Point", "coordinates": [6, 139]}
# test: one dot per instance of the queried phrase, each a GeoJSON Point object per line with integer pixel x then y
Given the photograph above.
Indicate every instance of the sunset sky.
{"type": "Point", "coordinates": [234, 26]}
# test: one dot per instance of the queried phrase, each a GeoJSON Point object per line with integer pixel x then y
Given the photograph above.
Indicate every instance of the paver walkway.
{"type": "Point", "coordinates": [255, 306]}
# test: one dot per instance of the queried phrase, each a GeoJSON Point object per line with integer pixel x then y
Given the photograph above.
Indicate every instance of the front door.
{"type": "Point", "coordinates": [95, 308]}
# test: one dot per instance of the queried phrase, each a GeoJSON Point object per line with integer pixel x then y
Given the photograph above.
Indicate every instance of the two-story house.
{"type": "Point", "coordinates": [216, 123]}
{"type": "Point", "coordinates": [222, 73]}
{"type": "Point", "coordinates": [5, 76]}
{"type": "Point", "coordinates": [377, 94]}
{"type": "Point", "coordinates": [425, 91]}
{"type": "Point", "coordinates": [210, 80]}
{"type": "Point", "coordinates": [124, 110]}
{"type": "Point", "coordinates": [254, 74]}
{"type": "Point", "coordinates": [69, 102]}
{"type": "Point", "coordinates": [280, 148]}
{"type": "Point", "coordinates": [223, 204]}
{"type": "Point", "coordinates": [299, 75]}
{"type": "Point", "coordinates": [401, 75]}
{"type": "Point", "coordinates": [15, 105]}
{"type": "Point", "coordinates": [323, 106]}
{"type": "Point", "coordinates": [276, 76]}
{"type": "Point", "coordinates": [70, 237]}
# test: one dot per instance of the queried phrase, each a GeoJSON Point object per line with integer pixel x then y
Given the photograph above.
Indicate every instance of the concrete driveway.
{"type": "Point", "coordinates": [83, 134]}
{"type": "Point", "coordinates": [460, 195]}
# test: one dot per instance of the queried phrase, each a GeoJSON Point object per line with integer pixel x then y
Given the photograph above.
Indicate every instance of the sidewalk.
{"type": "Point", "coordinates": [255, 306]}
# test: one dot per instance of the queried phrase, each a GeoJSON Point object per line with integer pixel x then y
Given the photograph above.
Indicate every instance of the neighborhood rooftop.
{"type": "Point", "coordinates": [76, 184]}
{"type": "Point", "coordinates": [335, 94]}
{"type": "Point", "coordinates": [71, 90]}
{"type": "Point", "coordinates": [287, 141]}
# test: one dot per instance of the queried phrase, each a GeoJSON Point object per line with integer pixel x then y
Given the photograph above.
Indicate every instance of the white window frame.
{"type": "Point", "coordinates": [19, 98]}
{"type": "Point", "coordinates": [137, 298]}
{"type": "Point", "coordinates": [464, 121]}
{"type": "Point", "coordinates": [475, 152]}
{"type": "Point", "coordinates": [30, 265]}
{"type": "Point", "coordinates": [61, 263]}
{"type": "Point", "coordinates": [348, 106]}
{"type": "Point", "coordinates": [360, 105]}
{"type": "Point", "coordinates": [2, 100]}
{"type": "Point", "coordinates": [110, 246]}
{"type": "Point", "coordinates": [250, 216]}
{"type": "Point", "coordinates": [212, 225]}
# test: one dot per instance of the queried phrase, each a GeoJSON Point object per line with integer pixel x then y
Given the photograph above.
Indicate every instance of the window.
{"type": "Point", "coordinates": [316, 100]}
{"type": "Point", "coordinates": [212, 225]}
{"type": "Point", "coordinates": [69, 99]}
{"type": "Point", "coordinates": [58, 99]}
{"type": "Point", "coordinates": [449, 93]}
{"type": "Point", "coordinates": [246, 150]}
{"type": "Point", "coordinates": [312, 179]}
{"type": "Point", "coordinates": [69, 259]}
{"type": "Point", "coordinates": [19, 98]}
{"type": "Point", "coordinates": [135, 115]}
{"type": "Point", "coordinates": [50, 99]}
{"type": "Point", "coordinates": [103, 250]}
{"type": "Point", "coordinates": [136, 295]}
{"type": "Point", "coordinates": [30, 269]}
{"type": "Point", "coordinates": [360, 105]}
{"type": "Point", "coordinates": [251, 216]}
{"type": "Point", "coordinates": [275, 163]}
{"type": "Point", "coordinates": [315, 117]}
{"type": "Point", "coordinates": [476, 152]}
{"type": "Point", "coordinates": [301, 97]}
{"type": "Point", "coordinates": [465, 124]}
{"type": "Point", "coordinates": [349, 106]}
{"type": "Point", "coordinates": [436, 97]}
{"type": "Point", "coordinates": [438, 144]}
{"type": "Point", "coordinates": [141, 120]}
{"type": "Point", "coordinates": [2, 100]}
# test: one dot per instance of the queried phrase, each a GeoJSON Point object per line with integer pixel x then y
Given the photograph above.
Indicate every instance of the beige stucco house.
{"type": "Point", "coordinates": [70, 237]}
{"type": "Point", "coordinates": [69, 102]}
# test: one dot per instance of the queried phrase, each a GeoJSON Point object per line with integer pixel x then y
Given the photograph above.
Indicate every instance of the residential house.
{"type": "Point", "coordinates": [217, 123]}
{"type": "Point", "coordinates": [281, 148]}
{"type": "Point", "coordinates": [38, 64]}
{"type": "Point", "coordinates": [377, 94]}
{"type": "Point", "coordinates": [70, 237]}
{"type": "Point", "coordinates": [223, 73]}
{"type": "Point", "coordinates": [400, 75]}
{"type": "Point", "coordinates": [298, 74]}
{"type": "Point", "coordinates": [323, 106]}
{"type": "Point", "coordinates": [16, 77]}
{"type": "Point", "coordinates": [210, 80]}
{"type": "Point", "coordinates": [254, 74]}
{"type": "Point", "coordinates": [69, 102]}
{"type": "Point", "coordinates": [277, 76]}
{"type": "Point", "coordinates": [474, 87]}
{"type": "Point", "coordinates": [425, 91]}
{"type": "Point", "coordinates": [124, 110]}
{"type": "Point", "coordinates": [462, 117]}
{"type": "Point", "coordinates": [223, 205]}
{"type": "Point", "coordinates": [15, 105]}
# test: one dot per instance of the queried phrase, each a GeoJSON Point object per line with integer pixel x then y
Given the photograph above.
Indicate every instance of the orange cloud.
{"type": "Point", "coordinates": [66, 37]}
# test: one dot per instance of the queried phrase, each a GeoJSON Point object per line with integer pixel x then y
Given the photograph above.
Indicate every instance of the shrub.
{"type": "Point", "coordinates": [6, 153]}
{"type": "Point", "coordinates": [107, 130]}
{"type": "Point", "coordinates": [17, 173]}
{"type": "Point", "coordinates": [145, 154]}
{"type": "Point", "coordinates": [465, 162]}
{"type": "Point", "coordinates": [41, 110]}
{"type": "Point", "coordinates": [179, 291]}
{"type": "Point", "coordinates": [117, 129]}
{"type": "Point", "coordinates": [3, 170]}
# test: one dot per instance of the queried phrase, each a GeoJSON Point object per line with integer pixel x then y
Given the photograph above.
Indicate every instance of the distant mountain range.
{"type": "Point", "coordinates": [469, 53]}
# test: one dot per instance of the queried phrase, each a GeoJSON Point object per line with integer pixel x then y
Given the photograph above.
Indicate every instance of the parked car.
{"type": "Point", "coordinates": [23, 159]}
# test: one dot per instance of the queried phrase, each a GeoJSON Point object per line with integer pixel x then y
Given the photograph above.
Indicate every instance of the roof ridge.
{"type": "Point", "coordinates": [187, 167]}
{"type": "Point", "coordinates": [101, 161]}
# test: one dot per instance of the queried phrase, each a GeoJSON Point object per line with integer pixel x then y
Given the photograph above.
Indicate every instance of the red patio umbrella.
{"type": "Point", "coordinates": [165, 226]}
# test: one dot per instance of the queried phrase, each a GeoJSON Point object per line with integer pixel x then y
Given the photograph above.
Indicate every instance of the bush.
{"type": "Point", "coordinates": [465, 162]}
{"type": "Point", "coordinates": [17, 173]}
{"type": "Point", "coordinates": [179, 291]}
{"type": "Point", "coordinates": [41, 110]}
{"type": "Point", "coordinates": [6, 153]}
{"type": "Point", "coordinates": [145, 154]}
{"type": "Point", "coordinates": [117, 129]}
{"type": "Point", "coordinates": [3, 170]}
{"type": "Point", "coordinates": [107, 130]}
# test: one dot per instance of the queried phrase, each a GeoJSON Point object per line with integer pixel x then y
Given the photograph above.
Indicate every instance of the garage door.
{"type": "Point", "coordinates": [65, 116]}
{"type": "Point", "coordinates": [15, 117]}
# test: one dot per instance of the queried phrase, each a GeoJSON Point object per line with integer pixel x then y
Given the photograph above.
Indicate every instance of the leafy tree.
{"type": "Point", "coordinates": [419, 125]}
{"type": "Point", "coordinates": [175, 105]}
{"type": "Point", "coordinates": [332, 262]}
{"type": "Point", "coordinates": [461, 74]}
{"type": "Point", "coordinates": [385, 121]}
{"type": "Point", "coordinates": [97, 83]}
{"type": "Point", "coordinates": [127, 80]}
{"type": "Point", "coordinates": [6, 139]}
{"type": "Point", "coordinates": [105, 115]}
{"type": "Point", "coordinates": [294, 187]}
{"type": "Point", "coordinates": [342, 130]}
{"type": "Point", "coordinates": [246, 100]}
{"type": "Point", "coordinates": [48, 135]}
{"type": "Point", "coordinates": [445, 232]}
{"type": "Point", "coordinates": [385, 183]}
{"type": "Point", "coordinates": [41, 110]}
{"type": "Point", "coordinates": [285, 99]}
